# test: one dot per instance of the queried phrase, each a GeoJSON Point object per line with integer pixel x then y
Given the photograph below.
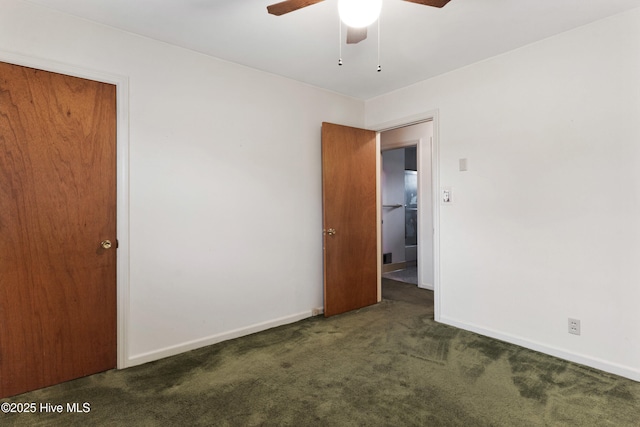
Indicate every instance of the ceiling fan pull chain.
{"type": "Point", "coordinates": [379, 67]}
{"type": "Point", "coordinates": [339, 41]}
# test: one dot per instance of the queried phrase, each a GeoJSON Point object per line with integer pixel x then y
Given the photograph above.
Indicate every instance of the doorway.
{"type": "Point", "coordinates": [407, 207]}
{"type": "Point", "coordinates": [399, 188]}
{"type": "Point", "coordinates": [121, 82]}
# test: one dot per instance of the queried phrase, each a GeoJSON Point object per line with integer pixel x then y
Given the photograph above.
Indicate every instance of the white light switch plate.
{"type": "Point", "coordinates": [447, 197]}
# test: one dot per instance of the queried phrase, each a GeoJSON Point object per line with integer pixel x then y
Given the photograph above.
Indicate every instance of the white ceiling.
{"type": "Point", "coordinates": [416, 42]}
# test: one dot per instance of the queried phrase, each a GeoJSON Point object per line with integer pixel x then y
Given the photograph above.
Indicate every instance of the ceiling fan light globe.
{"type": "Point", "coordinates": [359, 13]}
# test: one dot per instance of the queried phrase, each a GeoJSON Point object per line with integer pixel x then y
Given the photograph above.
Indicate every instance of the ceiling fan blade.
{"type": "Point", "coordinates": [289, 6]}
{"type": "Point", "coordinates": [356, 35]}
{"type": "Point", "coordinates": [434, 3]}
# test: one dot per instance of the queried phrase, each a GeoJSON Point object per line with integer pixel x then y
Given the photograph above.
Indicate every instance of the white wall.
{"type": "Point", "coordinates": [393, 194]}
{"type": "Point", "coordinates": [545, 225]}
{"type": "Point", "coordinates": [225, 189]}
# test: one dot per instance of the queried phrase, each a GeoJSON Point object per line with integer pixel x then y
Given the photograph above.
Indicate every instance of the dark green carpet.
{"type": "Point", "coordinates": [386, 365]}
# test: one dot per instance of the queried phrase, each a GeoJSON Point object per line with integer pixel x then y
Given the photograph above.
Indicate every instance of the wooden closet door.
{"type": "Point", "coordinates": [57, 207]}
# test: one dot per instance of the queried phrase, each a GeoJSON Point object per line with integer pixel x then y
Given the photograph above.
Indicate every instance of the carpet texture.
{"type": "Point", "coordinates": [385, 365]}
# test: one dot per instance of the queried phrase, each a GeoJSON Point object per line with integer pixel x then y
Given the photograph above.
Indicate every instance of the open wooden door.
{"type": "Point", "coordinates": [350, 219]}
{"type": "Point", "coordinates": [57, 228]}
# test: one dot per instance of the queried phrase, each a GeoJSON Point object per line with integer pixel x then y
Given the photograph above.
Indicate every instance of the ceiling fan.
{"type": "Point", "coordinates": [355, 34]}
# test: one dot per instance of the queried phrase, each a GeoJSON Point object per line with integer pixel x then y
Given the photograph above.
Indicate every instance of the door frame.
{"type": "Point", "coordinates": [122, 179]}
{"type": "Point", "coordinates": [432, 116]}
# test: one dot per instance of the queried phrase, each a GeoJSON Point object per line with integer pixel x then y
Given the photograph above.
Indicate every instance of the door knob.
{"type": "Point", "coordinates": [106, 244]}
{"type": "Point", "coordinates": [331, 232]}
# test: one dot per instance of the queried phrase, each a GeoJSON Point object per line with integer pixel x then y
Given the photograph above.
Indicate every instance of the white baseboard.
{"type": "Point", "coordinates": [139, 359]}
{"type": "Point", "coordinates": [603, 365]}
{"type": "Point", "coordinates": [428, 286]}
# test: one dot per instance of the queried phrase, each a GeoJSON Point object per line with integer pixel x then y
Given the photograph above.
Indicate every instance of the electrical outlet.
{"type": "Point", "coordinates": [574, 326]}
